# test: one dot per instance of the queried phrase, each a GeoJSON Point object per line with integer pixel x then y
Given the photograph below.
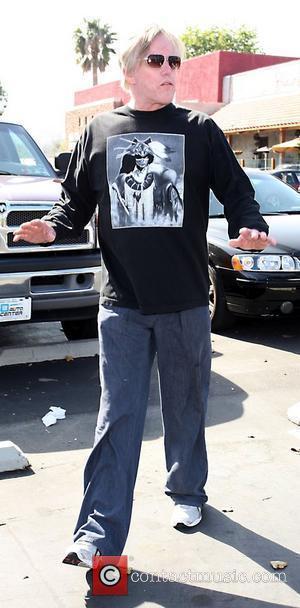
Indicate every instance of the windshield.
{"type": "Point", "coordinates": [19, 154]}
{"type": "Point", "coordinates": [272, 195]}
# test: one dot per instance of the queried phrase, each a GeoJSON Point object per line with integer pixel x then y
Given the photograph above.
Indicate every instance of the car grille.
{"type": "Point", "coordinates": [82, 240]}
{"type": "Point", "coordinates": [13, 214]}
{"type": "Point", "coordinates": [16, 218]}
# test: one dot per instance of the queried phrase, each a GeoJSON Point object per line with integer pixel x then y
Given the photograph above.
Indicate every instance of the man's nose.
{"type": "Point", "coordinates": [166, 69]}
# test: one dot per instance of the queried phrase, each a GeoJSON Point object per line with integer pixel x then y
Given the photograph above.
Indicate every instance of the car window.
{"type": "Point", "coordinates": [215, 207]}
{"type": "Point", "coordinates": [288, 178]}
{"type": "Point", "coordinates": [19, 155]}
{"type": "Point", "coordinates": [273, 196]}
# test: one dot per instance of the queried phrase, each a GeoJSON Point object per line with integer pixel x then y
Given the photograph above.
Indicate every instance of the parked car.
{"type": "Point", "coordinates": [289, 174]}
{"type": "Point", "coordinates": [37, 283]}
{"type": "Point", "coordinates": [252, 284]}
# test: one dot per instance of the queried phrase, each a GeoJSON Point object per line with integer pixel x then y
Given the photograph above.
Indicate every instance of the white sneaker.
{"type": "Point", "coordinates": [81, 553]}
{"type": "Point", "coordinates": [186, 515]}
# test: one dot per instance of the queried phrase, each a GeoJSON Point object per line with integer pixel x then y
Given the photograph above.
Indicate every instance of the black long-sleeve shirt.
{"type": "Point", "coordinates": [149, 174]}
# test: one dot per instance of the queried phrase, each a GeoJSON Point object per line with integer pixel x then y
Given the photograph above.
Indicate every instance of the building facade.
{"type": "Point", "coordinates": [262, 109]}
{"type": "Point", "coordinates": [254, 98]}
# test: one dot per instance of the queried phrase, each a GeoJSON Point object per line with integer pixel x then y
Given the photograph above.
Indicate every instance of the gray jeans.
{"type": "Point", "coordinates": [129, 341]}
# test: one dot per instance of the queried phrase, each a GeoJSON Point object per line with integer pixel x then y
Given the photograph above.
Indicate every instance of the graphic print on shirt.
{"type": "Point", "coordinates": [145, 173]}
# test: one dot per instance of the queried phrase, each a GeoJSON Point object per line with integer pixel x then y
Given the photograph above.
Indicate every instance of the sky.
{"type": "Point", "coordinates": [37, 59]}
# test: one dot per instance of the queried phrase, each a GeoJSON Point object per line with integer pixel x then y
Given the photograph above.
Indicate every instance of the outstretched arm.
{"type": "Point", "coordinates": [246, 226]}
{"type": "Point", "coordinates": [77, 204]}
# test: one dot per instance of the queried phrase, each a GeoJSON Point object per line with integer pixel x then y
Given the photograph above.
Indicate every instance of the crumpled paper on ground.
{"type": "Point", "coordinates": [56, 413]}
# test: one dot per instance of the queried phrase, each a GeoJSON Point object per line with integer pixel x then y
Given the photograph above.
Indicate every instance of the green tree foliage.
{"type": "Point", "coordinates": [93, 46]}
{"type": "Point", "coordinates": [3, 99]}
{"type": "Point", "coordinates": [200, 42]}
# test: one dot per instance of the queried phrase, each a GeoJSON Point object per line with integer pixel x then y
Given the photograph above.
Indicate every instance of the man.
{"type": "Point", "coordinates": [154, 296]}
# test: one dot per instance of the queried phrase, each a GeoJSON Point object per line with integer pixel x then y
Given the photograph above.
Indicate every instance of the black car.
{"type": "Point", "coordinates": [256, 284]}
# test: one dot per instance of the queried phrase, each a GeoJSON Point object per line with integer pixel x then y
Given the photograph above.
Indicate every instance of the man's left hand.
{"type": "Point", "coordinates": [250, 238]}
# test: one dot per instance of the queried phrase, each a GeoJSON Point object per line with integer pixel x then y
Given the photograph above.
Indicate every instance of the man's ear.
{"type": "Point", "coordinates": [129, 77]}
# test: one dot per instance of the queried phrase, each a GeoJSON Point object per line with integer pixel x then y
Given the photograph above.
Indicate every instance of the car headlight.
{"type": "Point", "coordinates": [268, 262]}
{"type": "Point", "coordinates": [288, 263]}
{"type": "Point", "coordinates": [265, 263]}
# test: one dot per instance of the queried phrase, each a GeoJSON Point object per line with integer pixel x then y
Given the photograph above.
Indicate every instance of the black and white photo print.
{"type": "Point", "coordinates": [146, 176]}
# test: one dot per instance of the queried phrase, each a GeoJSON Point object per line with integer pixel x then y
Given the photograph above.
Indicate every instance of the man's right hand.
{"type": "Point", "coordinates": [36, 232]}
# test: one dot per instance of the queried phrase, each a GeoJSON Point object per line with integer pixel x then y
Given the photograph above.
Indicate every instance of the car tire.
{"type": "Point", "coordinates": [81, 329]}
{"type": "Point", "coordinates": [221, 317]}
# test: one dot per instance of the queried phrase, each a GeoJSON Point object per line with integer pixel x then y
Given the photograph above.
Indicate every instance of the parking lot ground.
{"type": "Point", "coordinates": [252, 514]}
{"type": "Point", "coordinates": [28, 343]}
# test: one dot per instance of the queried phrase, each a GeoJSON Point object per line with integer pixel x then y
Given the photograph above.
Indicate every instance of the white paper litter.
{"type": "Point", "coordinates": [56, 413]}
{"type": "Point", "coordinates": [49, 419]}
{"type": "Point", "coordinates": [293, 413]}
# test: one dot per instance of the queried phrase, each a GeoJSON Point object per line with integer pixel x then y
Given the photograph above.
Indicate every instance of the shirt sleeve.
{"type": "Point", "coordinates": [77, 202]}
{"type": "Point", "coordinates": [232, 186]}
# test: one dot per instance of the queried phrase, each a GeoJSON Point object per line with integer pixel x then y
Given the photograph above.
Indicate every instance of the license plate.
{"type": "Point", "coordinates": [15, 309]}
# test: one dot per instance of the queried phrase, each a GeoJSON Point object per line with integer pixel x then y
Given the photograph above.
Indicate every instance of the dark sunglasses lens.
{"type": "Point", "coordinates": [155, 61]}
{"type": "Point", "coordinates": [174, 62]}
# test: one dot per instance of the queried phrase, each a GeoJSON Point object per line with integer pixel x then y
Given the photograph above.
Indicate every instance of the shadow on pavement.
{"type": "Point", "coordinates": [225, 403]}
{"type": "Point", "coordinates": [27, 392]}
{"type": "Point", "coordinates": [259, 549]}
{"type": "Point", "coordinates": [149, 587]}
{"type": "Point", "coordinates": [282, 334]}
{"type": "Point", "coordinates": [169, 594]}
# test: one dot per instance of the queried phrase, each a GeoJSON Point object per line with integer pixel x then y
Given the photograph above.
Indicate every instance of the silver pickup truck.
{"type": "Point", "coordinates": [56, 283]}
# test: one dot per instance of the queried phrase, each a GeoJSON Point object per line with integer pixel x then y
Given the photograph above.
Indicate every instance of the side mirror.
{"type": "Point", "coordinates": [61, 163]}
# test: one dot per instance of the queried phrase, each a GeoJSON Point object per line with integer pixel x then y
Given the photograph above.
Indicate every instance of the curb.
{"type": "Point", "coordinates": [12, 458]}
{"type": "Point", "coordinates": [48, 352]}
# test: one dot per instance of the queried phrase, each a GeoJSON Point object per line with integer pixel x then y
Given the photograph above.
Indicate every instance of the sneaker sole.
{"type": "Point", "coordinates": [72, 559]}
{"type": "Point", "coordinates": [181, 526]}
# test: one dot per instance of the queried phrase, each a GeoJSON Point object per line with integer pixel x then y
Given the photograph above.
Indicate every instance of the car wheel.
{"type": "Point", "coordinates": [221, 317]}
{"type": "Point", "coordinates": [82, 329]}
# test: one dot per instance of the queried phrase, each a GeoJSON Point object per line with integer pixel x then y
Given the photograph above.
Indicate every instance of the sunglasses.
{"type": "Point", "coordinates": [156, 61]}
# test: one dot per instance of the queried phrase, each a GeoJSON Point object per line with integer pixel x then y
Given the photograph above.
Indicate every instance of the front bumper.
{"type": "Point", "coordinates": [61, 286]}
{"type": "Point", "coordinates": [261, 294]}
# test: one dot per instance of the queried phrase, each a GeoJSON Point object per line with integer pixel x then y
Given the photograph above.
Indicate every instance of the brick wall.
{"type": "Point", "coordinates": [106, 90]}
{"type": "Point", "coordinates": [77, 119]}
{"type": "Point", "coordinates": [200, 84]}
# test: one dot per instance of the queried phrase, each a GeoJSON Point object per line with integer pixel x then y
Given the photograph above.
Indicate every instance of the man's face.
{"type": "Point", "coordinates": [142, 161]}
{"type": "Point", "coordinates": [154, 87]}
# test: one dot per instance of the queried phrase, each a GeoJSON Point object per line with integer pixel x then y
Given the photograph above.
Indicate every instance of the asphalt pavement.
{"type": "Point", "coordinates": [34, 342]}
{"type": "Point", "coordinates": [251, 517]}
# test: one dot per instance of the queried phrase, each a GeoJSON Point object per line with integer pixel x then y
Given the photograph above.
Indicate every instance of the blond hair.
{"type": "Point", "coordinates": [139, 46]}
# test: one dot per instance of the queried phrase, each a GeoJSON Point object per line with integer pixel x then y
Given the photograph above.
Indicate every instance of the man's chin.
{"type": "Point", "coordinates": [167, 96]}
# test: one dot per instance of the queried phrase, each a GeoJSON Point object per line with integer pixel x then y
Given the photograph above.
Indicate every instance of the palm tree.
{"type": "Point", "coordinates": [92, 46]}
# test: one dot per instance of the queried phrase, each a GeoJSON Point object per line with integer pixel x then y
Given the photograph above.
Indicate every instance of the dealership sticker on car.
{"type": "Point", "coordinates": [15, 309]}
